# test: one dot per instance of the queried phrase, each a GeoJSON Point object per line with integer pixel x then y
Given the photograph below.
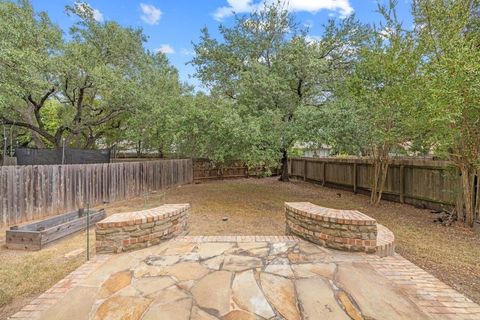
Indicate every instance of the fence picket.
{"type": "Point", "coordinates": [427, 183]}
{"type": "Point", "coordinates": [34, 192]}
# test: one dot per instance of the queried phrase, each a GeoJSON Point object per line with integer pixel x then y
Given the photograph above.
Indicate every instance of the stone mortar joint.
{"type": "Point", "coordinates": [346, 230]}
{"type": "Point", "coordinates": [140, 229]}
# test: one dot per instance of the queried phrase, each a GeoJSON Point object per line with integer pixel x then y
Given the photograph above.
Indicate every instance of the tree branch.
{"type": "Point", "coordinates": [39, 105]}
{"type": "Point", "coordinates": [106, 118]}
{"type": "Point", "coordinates": [38, 130]}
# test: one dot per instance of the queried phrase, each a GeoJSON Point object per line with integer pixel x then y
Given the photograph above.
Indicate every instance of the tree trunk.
{"type": "Point", "coordinates": [380, 170]}
{"type": "Point", "coordinates": [383, 179]}
{"type": "Point", "coordinates": [467, 187]}
{"type": "Point", "coordinates": [477, 198]}
{"type": "Point", "coordinates": [79, 140]}
{"type": "Point", "coordinates": [160, 148]}
{"type": "Point", "coordinates": [284, 169]}
{"type": "Point", "coordinates": [376, 174]}
{"type": "Point", "coordinates": [139, 148]}
{"type": "Point", "coordinates": [37, 139]}
{"type": "Point", "coordinates": [89, 143]}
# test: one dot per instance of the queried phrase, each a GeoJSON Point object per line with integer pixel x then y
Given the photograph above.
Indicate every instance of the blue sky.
{"type": "Point", "coordinates": [172, 26]}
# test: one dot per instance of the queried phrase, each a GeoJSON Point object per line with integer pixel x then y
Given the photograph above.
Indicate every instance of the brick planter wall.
{"type": "Point", "coordinates": [135, 230]}
{"type": "Point", "coordinates": [346, 230]}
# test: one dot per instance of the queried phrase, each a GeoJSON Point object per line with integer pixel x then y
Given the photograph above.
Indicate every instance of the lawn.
{"type": "Point", "coordinates": [255, 207]}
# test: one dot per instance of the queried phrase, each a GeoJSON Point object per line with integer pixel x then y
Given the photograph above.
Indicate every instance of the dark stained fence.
{"type": "Point", "coordinates": [204, 169]}
{"type": "Point", "coordinates": [428, 183]}
{"type": "Point", "coordinates": [34, 192]}
{"type": "Point", "coordinates": [56, 156]}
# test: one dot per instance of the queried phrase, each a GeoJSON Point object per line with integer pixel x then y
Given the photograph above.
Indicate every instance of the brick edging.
{"type": "Point", "coordinates": [237, 239]}
{"type": "Point", "coordinates": [425, 290]}
{"type": "Point", "coordinates": [58, 291]}
{"type": "Point", "coordinates": [143, 216]}
{"type": "Point", "coordinates": [338, 216]}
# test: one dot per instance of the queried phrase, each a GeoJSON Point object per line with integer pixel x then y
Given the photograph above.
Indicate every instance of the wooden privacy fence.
{"type": "Point", "coordinates": [429, 183]}
{"type": "Point", "coordinates": [204, 169]}
{"type": "Point", "coordinates": [33, 192]}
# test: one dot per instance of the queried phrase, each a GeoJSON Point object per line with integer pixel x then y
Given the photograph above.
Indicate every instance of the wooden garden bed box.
{"type": "Point", "coordinates": [35, 236]}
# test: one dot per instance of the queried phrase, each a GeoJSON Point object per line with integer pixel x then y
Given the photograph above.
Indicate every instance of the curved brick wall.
{"type": "Point", "coordinates": [135, 230]}
{"type": "Point", "coordinates": [347, 230]}
{"type": "Point", "coordinates": [385, 241]}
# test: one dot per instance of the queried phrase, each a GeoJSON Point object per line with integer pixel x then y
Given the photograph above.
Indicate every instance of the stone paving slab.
{"type": "Point", "coordinates": [257, 277]}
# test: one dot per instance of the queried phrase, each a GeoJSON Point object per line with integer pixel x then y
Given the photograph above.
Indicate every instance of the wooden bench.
{"type": "Point", "coordinates": [347, 230]}
{"type": "Point", "coordinates": [140, 229]}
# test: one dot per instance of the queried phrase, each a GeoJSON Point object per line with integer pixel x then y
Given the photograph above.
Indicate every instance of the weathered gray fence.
{"type": "Point", "coordinates": [33, 192]}
{"type": "Point", "coordinates": [419, 182]}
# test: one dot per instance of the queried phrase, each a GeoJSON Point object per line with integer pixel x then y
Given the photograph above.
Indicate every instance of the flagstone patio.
{"type": "Point", "coordinates": [203, 278]}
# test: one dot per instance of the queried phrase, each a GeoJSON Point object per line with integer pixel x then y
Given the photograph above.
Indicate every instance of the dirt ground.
{"type": "Point", "coordinates": [255, 207]}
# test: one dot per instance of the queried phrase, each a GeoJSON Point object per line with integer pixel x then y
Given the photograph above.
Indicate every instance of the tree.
{"type": "Point", "coordinates": [153, 121]}
{"type": "Point", "coordinates": [268, 67]}
{"type": "Point", "coordinates": [379, 93]}
{"type": "Point", "coordinates": [449, 33]}
{"type": "Point", "coordinates": [99, 76]}
{"type": "Point", "coordinates": [343, 126]}
{"type": "Point", "coordinates": [29, 52]}
{"type": "Point", "coordinates": [95, 80]}
{"type": "Point", "coordinates": [208, 128]}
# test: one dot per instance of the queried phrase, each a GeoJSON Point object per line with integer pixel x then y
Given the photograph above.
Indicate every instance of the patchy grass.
{"type": "Point", "coordinates": [255, 207]}
{"type": "Point", "coordinates": [26, 274]}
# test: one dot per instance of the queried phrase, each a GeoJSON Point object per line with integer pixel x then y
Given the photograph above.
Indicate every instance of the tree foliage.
{"type": "Point", "coordinates": [381, 111]}
{"type": "Point", "coordinates": [449, 32]}
{"type": "Point", "coordinates": [369, 90]}
{"type": "Point", "coordinates": [95, 81]}
{"type": "Point", "coordinates": [416, 89]}
{"type": "Point", "coordinates": [269, 69]}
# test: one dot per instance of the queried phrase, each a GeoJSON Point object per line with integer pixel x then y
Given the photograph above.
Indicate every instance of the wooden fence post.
{"type": "Point", "coordinates": [459, 201]}
{"type": "Point", "coordinates": [323, 173]}
{"type": "Point", "coordinates": [355, 178]}
{"type": "Point", "coordinates": [402, 184]}
{"type": "Point", "coordinates": [304, 170]}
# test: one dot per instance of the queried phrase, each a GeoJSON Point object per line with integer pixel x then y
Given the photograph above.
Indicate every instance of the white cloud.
{"type": "Point", "coordinates": [187, 52]}
{"type": "Point", "coordinates": [82, 6]}
{"type": "Point", "coordinates": [151, 14]}
{"type": "Point", "coordinates": [313, 39]}
{"type": "Point", "coordinates": [97, 15]}
{"type": "Point", "coordinates": [237, 6]}
{"type": "Point", "coordinates": [341, 7]}
{"type": "Point", "coordinates": [165, 48]}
